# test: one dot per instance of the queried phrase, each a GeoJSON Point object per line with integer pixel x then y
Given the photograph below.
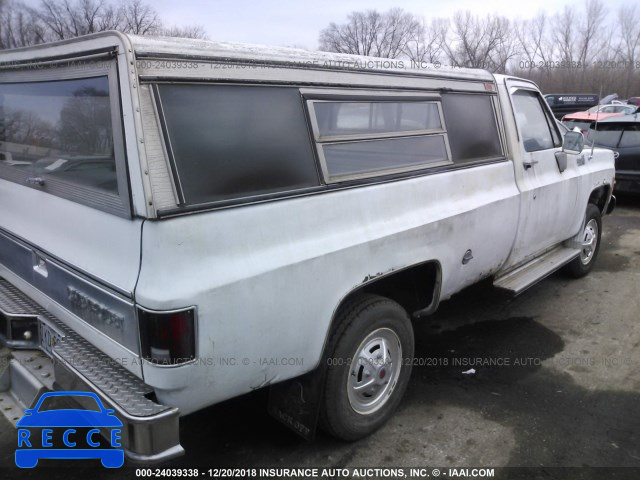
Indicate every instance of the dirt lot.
{"type": "Point", "coordinates": [563, 390]}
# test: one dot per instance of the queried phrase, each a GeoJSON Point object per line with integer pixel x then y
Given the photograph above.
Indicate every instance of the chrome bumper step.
{"type": "Point", "coordinates": [28, 375]}
{"type": "Point", "coordinates": [151, 432]}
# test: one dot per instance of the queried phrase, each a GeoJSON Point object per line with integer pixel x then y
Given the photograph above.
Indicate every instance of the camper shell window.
{"type": "Point", "coordinates": [62, 133]}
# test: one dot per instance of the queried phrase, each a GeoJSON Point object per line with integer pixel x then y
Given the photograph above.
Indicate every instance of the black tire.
{"type": "Point", "coordinates": [583, 264]}
{"type": "Point", "coordinates": [366, 317]}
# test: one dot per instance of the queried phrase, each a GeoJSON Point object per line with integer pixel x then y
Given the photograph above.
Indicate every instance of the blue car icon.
{"type": "Point", "coordinates": [53, 430]}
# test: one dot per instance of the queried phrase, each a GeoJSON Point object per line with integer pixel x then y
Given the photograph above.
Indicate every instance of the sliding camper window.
{"type": "Point", "coordinates": [360, 137]}
{"type": "Point", "coordinates": [229, 142]}
{"type": "Point", "coordinates": [62, 135]}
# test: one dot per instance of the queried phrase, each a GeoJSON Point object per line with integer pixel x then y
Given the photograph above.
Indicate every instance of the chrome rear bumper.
{"type": "Point", "coordinates": [151, 430]}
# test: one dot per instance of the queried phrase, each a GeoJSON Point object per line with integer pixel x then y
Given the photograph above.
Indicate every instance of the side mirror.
{"type": "Point", "coordinates": [573, 142]}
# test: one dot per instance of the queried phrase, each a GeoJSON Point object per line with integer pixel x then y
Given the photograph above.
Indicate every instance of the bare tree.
{"type": "Point", "coordinates": [629, 45]}
{"type": "Point", "coordinates": [60, 19]}
{"type": "Point", "coordinates": [139, 18]}
{"type": "Point", "coordinates": [629, 24]}
{"type": "Point", "coordinates": [506, 50]}
{"type": "Point", "coordinates": [357, 36]}
{"type": "Point", "coordinates": [564, 33]}
{"type": "Point", "coordinates": [537, 50]}
{"type": "Point", "coordinates": [375, 34]}
{"type": "Point", "coordinates": [592, 31]}
{"type": "Point", "coordinates": [66, 19]}
{"type": "Point", "coordinates": [399, 29]}
{"type": "Point", "coordinates": [580, 37]}
{"type": "Point", "coordinates": [186, 31]}
{"type": "Point", "coordinates": [560, 53]}
{"type": "Point", "coordinates": [477, 42]}
{"type": "Point", "coordinates": [18, 26]}
{"type": "Point", "coordinates": [425, 44]}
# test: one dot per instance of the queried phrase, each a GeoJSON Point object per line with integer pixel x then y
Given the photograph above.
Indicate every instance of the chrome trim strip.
{"type": "Point", "coordinates": [105, 285]}
{"type": "Point", "coordinates": [97, 338]}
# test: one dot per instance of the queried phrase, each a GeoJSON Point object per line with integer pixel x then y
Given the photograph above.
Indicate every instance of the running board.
{"type": "Point", "coordinates": [518, 280]}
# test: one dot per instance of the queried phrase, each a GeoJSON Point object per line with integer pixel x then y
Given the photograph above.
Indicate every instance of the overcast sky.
{"type": "Point", "coordinates": [298, 22]}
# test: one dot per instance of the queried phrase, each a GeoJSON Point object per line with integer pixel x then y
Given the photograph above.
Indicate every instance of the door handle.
{"type": "Point", "coordinates": [528, 165]}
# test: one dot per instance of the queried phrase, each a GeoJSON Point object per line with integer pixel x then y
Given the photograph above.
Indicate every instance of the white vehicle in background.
{"type": "Point", "coordinates": [619, 107]}
{"type": "Point", "coordinates": [201, 219]}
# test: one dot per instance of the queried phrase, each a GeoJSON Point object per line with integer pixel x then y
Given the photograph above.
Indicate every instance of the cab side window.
{"type": "Point", "coordinates": [537, 133]}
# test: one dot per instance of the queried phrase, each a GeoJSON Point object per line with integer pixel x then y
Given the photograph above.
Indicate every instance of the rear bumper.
{"type": "Point", "coordinates": [151, 431]}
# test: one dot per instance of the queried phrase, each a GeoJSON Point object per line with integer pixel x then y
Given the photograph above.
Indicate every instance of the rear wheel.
{"type": "Point", "coordinates": [367, 367]}
{"type": "Point", "coordinates": [589, 240]}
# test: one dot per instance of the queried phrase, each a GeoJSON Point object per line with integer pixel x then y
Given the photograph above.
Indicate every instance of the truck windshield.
{"type": "Point", "coordinates": [59, 130]}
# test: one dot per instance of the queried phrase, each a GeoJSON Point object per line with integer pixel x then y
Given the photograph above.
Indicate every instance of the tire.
{"type": "Point", "coordinates": [591, 234]}
{"type": "Point", "coordinates": [363, 387]}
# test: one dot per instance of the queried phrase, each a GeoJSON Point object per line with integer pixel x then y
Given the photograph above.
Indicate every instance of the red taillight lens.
{"type": "Point", "coordinates": [167, 338]}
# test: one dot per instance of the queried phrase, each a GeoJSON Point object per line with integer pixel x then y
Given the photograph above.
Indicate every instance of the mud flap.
{"type": "Point", "coordinates": [611, 205]}
{"type": "Point", "coordinates": [296, 402]}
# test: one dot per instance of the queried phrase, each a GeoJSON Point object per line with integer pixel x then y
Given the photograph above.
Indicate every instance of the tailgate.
{"type": "Point", "coordinates": [68, 238]}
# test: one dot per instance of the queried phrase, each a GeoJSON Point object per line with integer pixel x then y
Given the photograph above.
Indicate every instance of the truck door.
{"type": "Point", "coordinates": [549, 192]}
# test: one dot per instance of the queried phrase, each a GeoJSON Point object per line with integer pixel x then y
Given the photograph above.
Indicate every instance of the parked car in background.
{"type": "Point", "coordinates": [634, 101]}
{"type": "Point", "coordinates": [584, 120]}
{"type": "Point", "coordinates": [622, 135]}
{"type": "Point", "coordinates": [562, 104]}
{"type": "Point", "coordinates": [614, 108]}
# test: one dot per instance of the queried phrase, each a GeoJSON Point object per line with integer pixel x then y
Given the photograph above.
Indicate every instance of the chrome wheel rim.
{"type": "Point", "coordinates": [374, 371]}
{"type": "Point", "coordinates": [589, 241]}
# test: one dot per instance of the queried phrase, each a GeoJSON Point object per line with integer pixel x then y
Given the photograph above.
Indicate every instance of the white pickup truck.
{"type": "Point", "coordinates": [186, 221]}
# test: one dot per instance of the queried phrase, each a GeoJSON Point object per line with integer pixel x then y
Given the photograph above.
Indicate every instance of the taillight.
{"type": "Point", "coordinates": [167, 338]}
